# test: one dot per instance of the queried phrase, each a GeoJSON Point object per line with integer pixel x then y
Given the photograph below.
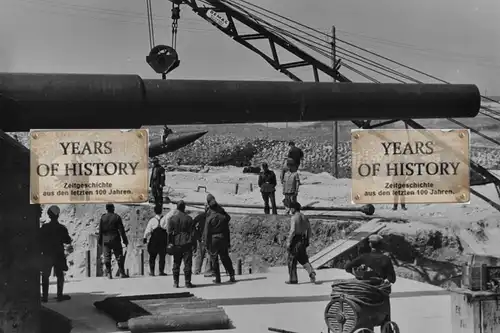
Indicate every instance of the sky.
{"type": "Point", "coordinates": [455, 40]}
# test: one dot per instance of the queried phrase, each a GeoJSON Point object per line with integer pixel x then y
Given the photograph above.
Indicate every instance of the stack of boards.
{"type": "Point", "coordinates": [164, 313]}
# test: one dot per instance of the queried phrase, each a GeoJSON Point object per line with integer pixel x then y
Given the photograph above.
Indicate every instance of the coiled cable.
{"type": "Point", "coordinates": [362, 292]}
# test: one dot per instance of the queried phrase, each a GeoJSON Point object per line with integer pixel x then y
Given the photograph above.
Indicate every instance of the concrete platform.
{"type": "Point", "coordinates": [259, 301]}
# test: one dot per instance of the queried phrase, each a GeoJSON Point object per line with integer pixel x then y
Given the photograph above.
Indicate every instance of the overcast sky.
{"type": "Point", "coordinates": [456, 40]}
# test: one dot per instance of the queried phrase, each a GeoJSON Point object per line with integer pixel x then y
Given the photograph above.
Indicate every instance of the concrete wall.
{"type": "Point", "coordinates": [19, 226]}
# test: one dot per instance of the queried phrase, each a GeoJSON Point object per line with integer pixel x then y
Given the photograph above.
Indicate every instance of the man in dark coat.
{"type": "Point", "coordinates": [201, 249]}
{"type": "Point", "coordinates": [267, 184]}
{"type": "Point", "coordinates": [53, 237]}
{"type": "Point", "coordinates": [217, 238]}
{"type": "Point", "coordinates": [157, 182]}
{"type": "Point", "coordinates": [295, 154]}
{"type": "Point", "coordinates": [375, 264]}
{"type": "Point", "coordinates": [180, 229]}
{"type": "Point", "coordinates": [111, 235]}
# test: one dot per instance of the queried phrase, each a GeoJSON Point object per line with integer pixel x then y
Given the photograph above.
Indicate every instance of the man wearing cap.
{"type": "Point", "coordinates": [375, 261]}
{"type": "Point", "coordinates": [374, 264]}
{"type": "Point", "coordinates": [53, 237]}
{"type": "Point", "coordinates": [157, 182]}
{"type": "Point", "coordinates": [111, 235]}
{"type": "Point", "coordinates": [298, 241]}
{"type": "Point", "coordinates": [267, 184]}
{"type": "Point", "coordinates": [295, 153]}
{"type": "Point", "coordinates": [180, 229]}
{"type": "Point", "coordinates": [291, 184]}
{"type": "Point", "coordinates": [217, 238]}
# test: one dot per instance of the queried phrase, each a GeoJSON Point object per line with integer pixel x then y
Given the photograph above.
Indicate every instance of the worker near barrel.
{"type": "Point", "coordinates": [111, 235]}
{"type": "Point", "coordinates": [53, 237]}
{"type": "Point", "coordinates": [155, 236]}
{"type": "Point", "coordinates": [291, 184]}
{"type": "Point", "coordinates": [374, 261]}
{"type": "Point", "coordinates": [201, 248]}
{"type": "Point", "coordinates": [298, 241]}
{"type": "Point", "coordinates": [375, 264]}
{"type": "Point", "coordinates": [217, 238]}
{"type": "Point", "coordinates": [267, 184]}
{"type": "Point", "coordinates": [157, 182]}
{"type": "Point", "coordinates": [180, 229]}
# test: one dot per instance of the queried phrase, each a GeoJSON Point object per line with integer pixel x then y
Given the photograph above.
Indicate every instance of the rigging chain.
{"type": "Point", "coordinates": [176, 15]}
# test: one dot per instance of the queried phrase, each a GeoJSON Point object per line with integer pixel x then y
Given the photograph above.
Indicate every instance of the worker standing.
{"type": "Point", "coordinates": [156, 231]}
{"type": "Point", "coordinates": [291, 184]}
{"type": "Point", "coordinates": [298, 241]}
{"type": "Point", "coordinates": [267, 184]}
{"type": "Point", "coordinates": [295, 153]}
{"type": "Point", "coordinates": [217, 238]}
{"type": "Point", "coordinates": [53, 237]}
{"type": "Point", "coordinates": [201, 249]}
{"type": "Point", "coordinates": [374, 264]}
{"type": "Point", "coordinates": [111, 236]}
{"type": "Point", "coordinates": [181, 233]}
{"type": "Point", "coordinates": [157, 182]}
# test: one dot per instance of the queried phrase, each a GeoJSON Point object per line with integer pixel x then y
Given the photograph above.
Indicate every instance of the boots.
{"type": "Point", "coordinates": [121, 266]}
{"type": "Point", "coordinates": [45, 289]}
{"type": "Point", "coordinates": [152, 269]}
{"type": "Point", "coordinates": [232, 279]}
{"type": "Point", "coordinates": [60, 287]}
{"type": "Point", "coordinates": [109, 272]}
{"type": "Point", "coordinates": [187, 278]}
{"type": "Point", "coordinates": [176, 280]}
{"type": "Point", "coordinates": [312, 273]}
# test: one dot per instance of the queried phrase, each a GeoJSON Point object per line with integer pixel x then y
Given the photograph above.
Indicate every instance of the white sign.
{"type": "Point", "coordinates": [218, 18]}
{"type": "Point", "coordinates": [89, 166]}
{"type": "Point", "coordinates": [410, 166]}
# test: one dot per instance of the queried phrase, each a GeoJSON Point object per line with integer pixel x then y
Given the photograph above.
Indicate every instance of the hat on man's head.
{"type": "Point", "coordinates": [211, 200]}
{"type": "Point", "coordinates": [375, 239]}
{"type": "Point", "coordinates": [54, 211]}
{"type": "Point", "coordinates": [181, 205]}
{"type": "Point", "coordinates": [110, 206]}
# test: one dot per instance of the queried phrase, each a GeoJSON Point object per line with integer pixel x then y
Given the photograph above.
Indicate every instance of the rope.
{"type": "Point", "coordinates": [362, 292]}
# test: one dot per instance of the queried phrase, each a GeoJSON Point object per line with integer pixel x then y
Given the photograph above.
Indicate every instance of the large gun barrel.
{"type": "Point", "coordinates": [173, 142]}
{"type": "Point", "coordinates": [366, 209]}
{"type": "Point", "coordinates": [79, 101]}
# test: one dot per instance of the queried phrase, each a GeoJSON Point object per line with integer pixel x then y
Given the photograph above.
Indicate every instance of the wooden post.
{"type": "Point", "coordinates": [88, 260]}
{"type": "Point", "coordinates": [142, 263]}
{"type": "Point", "coordinates": [236, 187]}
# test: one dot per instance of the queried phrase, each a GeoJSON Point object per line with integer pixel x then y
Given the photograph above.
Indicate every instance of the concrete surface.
{"type": "Point", "coordinates": [259, 301]}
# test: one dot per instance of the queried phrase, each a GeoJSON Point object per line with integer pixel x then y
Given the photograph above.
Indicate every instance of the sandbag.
{"type": "Point", "coordinates": [211, 319]}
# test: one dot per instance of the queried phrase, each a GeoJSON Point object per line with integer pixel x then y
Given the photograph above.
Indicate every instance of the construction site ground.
{"type": "Point", "coordinates": [259, 301]}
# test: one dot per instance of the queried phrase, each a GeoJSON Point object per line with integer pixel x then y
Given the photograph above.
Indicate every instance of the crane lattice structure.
{"type": "Point", "coordinates": [246, 23]}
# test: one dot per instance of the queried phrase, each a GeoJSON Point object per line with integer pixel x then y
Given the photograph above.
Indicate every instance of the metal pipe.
{"type": "Point", "coordinates": [366, 209]}
{"type": "Point", "coordinates": [62, 101]}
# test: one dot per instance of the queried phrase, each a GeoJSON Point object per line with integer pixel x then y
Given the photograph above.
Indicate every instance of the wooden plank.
{"type": "Point", "coordinates": [339, 247]}
{"type": "Point", "coordinates": [490, 320]}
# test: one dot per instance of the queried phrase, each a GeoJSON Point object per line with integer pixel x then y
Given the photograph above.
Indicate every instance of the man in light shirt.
{"type": "Point", "coordinates": [155, 236]}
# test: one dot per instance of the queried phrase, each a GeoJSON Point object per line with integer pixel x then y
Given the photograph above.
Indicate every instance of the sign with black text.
{"type": "Point", "coordinates": [410, 166]}
{"type": "Point", "coordinates": [89, 166]}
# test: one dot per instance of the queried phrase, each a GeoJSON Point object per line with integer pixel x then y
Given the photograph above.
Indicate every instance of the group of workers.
{"type": "Point", "coordinates": [289, 178]}
{"type": "Point", "coordinates": [179, 235]}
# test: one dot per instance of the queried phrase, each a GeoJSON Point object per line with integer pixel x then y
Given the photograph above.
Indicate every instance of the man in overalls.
{"type": "Point", "coordinates": [298, 241]}
{"type": "Point", "coordinates": [156, 231]}
{"type": "Point", "coordinates": [157, 182]}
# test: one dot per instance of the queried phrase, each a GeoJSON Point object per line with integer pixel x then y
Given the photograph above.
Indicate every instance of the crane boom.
{"type": "Point", "coordinates": [223, 17]}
